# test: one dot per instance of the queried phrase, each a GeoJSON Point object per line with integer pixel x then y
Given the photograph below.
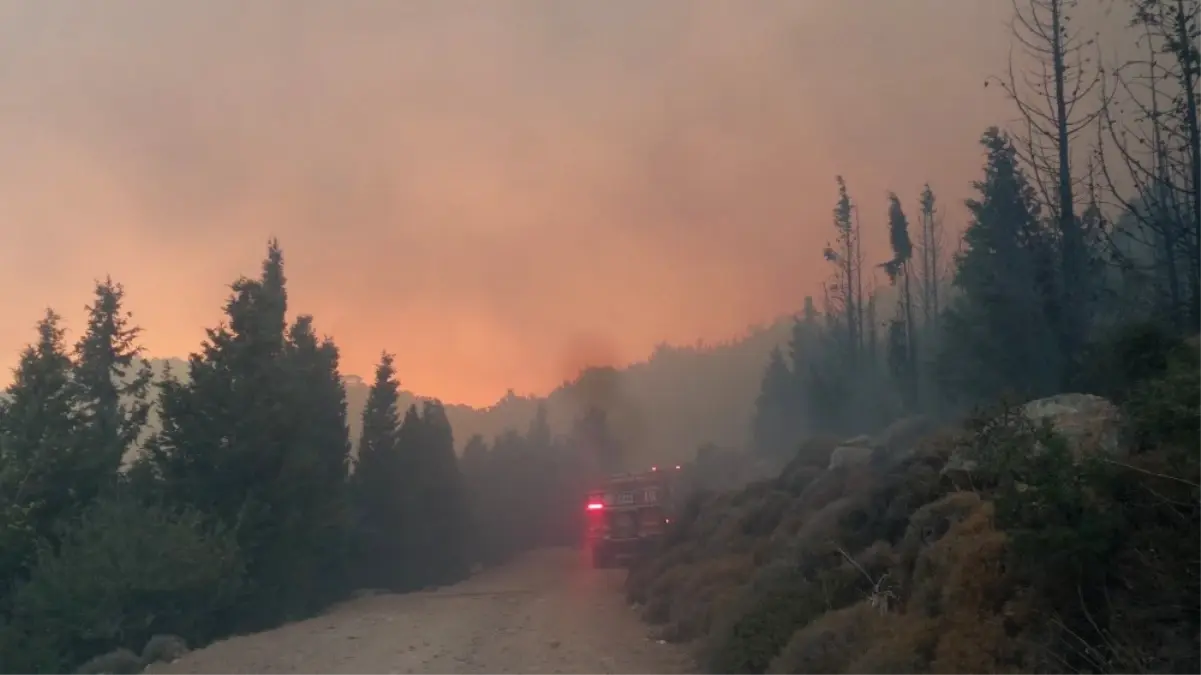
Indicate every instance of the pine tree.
{"type": "Point", "coordinates": [929, 271]}
{"type": "Point", "coordinates": [38, 432]}
{"type": "Point", "coordinates": [109, 387]}
{"type": "Point", "coordinates": [903, 362]}
{"type": "Point", "coordinates": [999, 334]}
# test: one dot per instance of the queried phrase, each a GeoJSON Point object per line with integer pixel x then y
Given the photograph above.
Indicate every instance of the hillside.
{"type": "Point", "coordinates": [663, 408]}
{"type": "Point", "coordinates": [1055, 536]}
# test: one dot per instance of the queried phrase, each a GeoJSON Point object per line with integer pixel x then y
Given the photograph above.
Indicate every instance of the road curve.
{"type": "Point", "coordinates": [546, 612]}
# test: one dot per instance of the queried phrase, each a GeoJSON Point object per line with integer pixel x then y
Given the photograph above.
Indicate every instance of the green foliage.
{"type": "Point", "coordinates": [436, 533]}
{"type": "Point", "coordinates": [39, 478]}
{"type": "Point", "coordinates": [109, 388]}
{"type": "Point", "coordinates": [1166, 410]}
{"type": "Point", "coordinates": [378, 487]}
{"type": "Point", "coordinates": [257, 439]}
{"type": "Point", "coordinates": [123, 572]}
{"type": "Point", "coordinates": [1046, 500]}
{"type": "Point", "coordinates": [1000, 331]}
{"type": "Point", "coordinates": [1117, 364]}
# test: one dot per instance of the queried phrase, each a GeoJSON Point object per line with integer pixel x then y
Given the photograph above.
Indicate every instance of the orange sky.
{"type": "Point", "coordinates": [489, 188]}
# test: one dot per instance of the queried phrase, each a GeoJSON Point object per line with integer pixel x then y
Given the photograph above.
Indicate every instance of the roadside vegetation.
{"type": "Point", "coordinates": [245, 508]}
{"type": "Point", "coordinates": [998, 472]}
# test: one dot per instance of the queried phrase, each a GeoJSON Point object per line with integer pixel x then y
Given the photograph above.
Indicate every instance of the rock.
{"type": "Point", "coordinates": [1090, 425]}
{"type": "Point", "coordinates": [164, 648]}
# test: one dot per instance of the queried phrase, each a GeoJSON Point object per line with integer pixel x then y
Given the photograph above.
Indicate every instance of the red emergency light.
{"type": "Point", "coordinates": [595, 506]}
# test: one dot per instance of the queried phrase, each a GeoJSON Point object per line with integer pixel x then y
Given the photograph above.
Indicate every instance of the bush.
{"type": "Point", "coordinates": [1115, 365]}
{"type": "Point", "coordinates": [830, 643]}
{"type": "Point", "coordinates": [123, 573]}
{"type": "Point", "coordinates": [1166, 410]}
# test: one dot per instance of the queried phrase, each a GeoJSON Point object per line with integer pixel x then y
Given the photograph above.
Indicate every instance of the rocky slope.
{"type": "Point", "coordinates": [1034, 538]}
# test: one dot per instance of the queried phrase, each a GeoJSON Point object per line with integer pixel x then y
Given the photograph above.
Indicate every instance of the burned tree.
{"type": "Point", "coordinates": [1057, 95]}
{"type": "Point", "coordinates": [1150, 158]}
{"type": "Point", "coordinates": [845, 294]}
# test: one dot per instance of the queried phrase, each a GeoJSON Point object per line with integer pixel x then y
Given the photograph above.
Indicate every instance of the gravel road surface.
{"type": "Point", "coordinates": [546, 612]}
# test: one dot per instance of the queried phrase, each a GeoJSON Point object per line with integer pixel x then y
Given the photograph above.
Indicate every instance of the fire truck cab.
{"type": "Point", "coordinates": [628, 514]}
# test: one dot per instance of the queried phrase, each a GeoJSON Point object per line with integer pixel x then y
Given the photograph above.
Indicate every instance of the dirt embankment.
{"type": "Point", "coordinates": [546, 612]}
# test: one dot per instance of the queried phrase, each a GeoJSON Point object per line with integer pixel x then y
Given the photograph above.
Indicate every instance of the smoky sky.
{"type": "Point", "coordinates": [499, 191]}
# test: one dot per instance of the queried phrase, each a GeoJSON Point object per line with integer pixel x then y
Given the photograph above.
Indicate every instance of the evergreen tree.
{"type": "Point", "coordinates": [109, 387]}
{"type": "Point", "coordinates": [38, 433]}
{"type": "Point", "coordinates": [256, 439]}
{"type": "Point", "coordinates": [773, 425]}
{"type": "Point", "coordinates": [440, 533]}
{"type": "Point", "coordinates": [318, 460]}
{"type": "Point", "coordinates": [999, 335]}
{"type": "Point", "coordinates": [930, 247]}
{"type": "Point", "coordinates": [903, 361]}
{"type": "Point", "coordinates": [378, 485]}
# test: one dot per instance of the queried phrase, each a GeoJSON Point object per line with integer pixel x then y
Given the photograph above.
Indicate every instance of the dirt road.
{"type": "Point", "coordinates": [547, 612]}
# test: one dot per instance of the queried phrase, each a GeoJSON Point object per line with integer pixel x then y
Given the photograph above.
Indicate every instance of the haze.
{"type": "Point", "coordinates": [499, 191]}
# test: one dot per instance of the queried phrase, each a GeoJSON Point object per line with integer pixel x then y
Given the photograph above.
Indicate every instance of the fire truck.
{"type": "Point", "coordinates": [629, 513]}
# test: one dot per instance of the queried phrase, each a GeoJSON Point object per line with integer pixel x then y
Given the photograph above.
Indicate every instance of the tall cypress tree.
{"type": "Point", "coordinates": [379, 497]}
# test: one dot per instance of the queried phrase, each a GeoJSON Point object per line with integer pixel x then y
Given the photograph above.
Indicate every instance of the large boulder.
{"type": "Point", "coordinates": [1090, 425]}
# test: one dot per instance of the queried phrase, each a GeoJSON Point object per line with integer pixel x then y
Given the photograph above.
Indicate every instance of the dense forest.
{"type": "Point", "coordinates": [1085, 221]}
{"type": "Point", "coordinates": [244, 507]}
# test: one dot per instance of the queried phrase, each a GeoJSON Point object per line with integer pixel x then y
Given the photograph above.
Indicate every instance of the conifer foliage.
{"type": "Point", "coordinates": [240, 512]}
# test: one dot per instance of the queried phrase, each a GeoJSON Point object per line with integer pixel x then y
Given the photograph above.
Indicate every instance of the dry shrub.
{"type": "Point", "coordinates": [761, 518]}
{"type": "Point", "coordinates": [687, 597]}
{"type": "Point", "coordinates": [962, 577]}
{"type": "Point", "coordinates": [832, 485]}
{"type": "Point", "coordinates": [927, 525]}
{"type": "Point", "coordinates": [646, 571]}
{"type": "Point", "coordinates": [830, 643]}
{"type": "Point", "coordinates": [899, 644]}
{"type": "Point", "coordinates": [935, 449]}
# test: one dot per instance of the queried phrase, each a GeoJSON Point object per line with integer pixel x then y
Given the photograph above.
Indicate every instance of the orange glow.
{"type": "Point", "coordinates": [500, 193]}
